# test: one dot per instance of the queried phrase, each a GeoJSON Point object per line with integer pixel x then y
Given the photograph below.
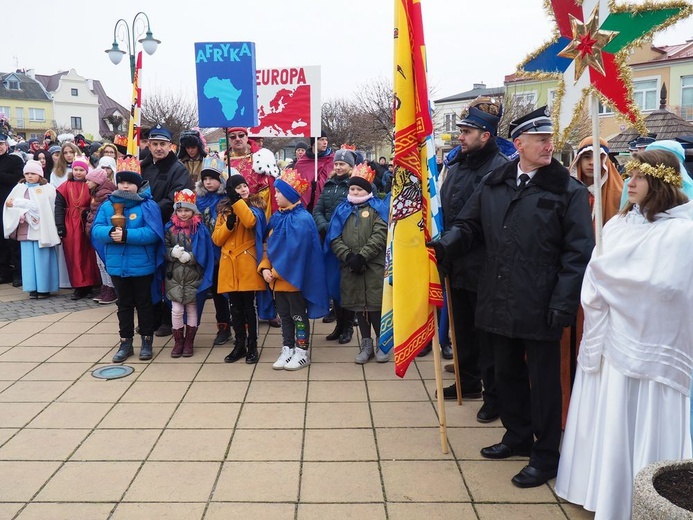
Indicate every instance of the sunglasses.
{"type": "Point", "coordinates": [236, 136]}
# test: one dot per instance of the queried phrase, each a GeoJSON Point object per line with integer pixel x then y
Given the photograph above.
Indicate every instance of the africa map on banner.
{"type": "Point", "coordinates": [288, 102]}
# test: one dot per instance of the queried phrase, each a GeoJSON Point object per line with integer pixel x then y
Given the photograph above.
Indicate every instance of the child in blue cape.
{"type": "Point", "coordinates": [294, 269]}
{"type": "Point", "coordinates": [132, 254]}
{"type": "Point", "coordinates": [189, 267]}
{"type": "Point", "coordinates": [355, 255]}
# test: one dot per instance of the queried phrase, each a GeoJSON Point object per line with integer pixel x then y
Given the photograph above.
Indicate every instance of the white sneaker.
{"type": "Point", "coordinates": [283, 359]}
{"type": "Point", "coordinates": [299, 360]}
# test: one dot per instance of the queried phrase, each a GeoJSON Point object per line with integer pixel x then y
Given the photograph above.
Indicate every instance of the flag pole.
{"type": "Point", "coordinates": [597, 159]}
{"type": "Point", "coordinates": [453, 340]}
{"type": "Point", "coordinates": [442, 422]}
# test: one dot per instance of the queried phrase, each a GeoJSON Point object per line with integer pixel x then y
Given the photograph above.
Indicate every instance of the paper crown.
{"type": "Point", "coordinates": [120, 140]}
{"type": "Point", "coordinates": [81, 161]}
{"type": "Point", "coordinates": [128, 163]}
{"type": "Point", "coordinates": [294, 179]}
{"type": "Point", "coordinates": [214, 167]}
{"type": "Point", "coordinates": [362, 176]}
{"type": "Point", "coordinates": [348, 147]}
{"type": "Point", "coordinates": [185, 195]}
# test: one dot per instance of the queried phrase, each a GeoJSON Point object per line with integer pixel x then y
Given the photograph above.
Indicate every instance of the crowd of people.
{"type": "Point", "coordinates": [162, 234]}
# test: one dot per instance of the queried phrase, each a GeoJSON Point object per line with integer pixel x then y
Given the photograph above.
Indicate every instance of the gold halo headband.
{"type": "Point", "coordinates": [664, 173]}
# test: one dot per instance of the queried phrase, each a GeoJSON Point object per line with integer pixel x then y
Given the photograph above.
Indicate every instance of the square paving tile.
{"type": "Point", "coordinates": [20, 480]}
{"type": "Point", "coordinates": [150, 511]}
{"type": "Point", "coordinates": [96, 391]}
{"type": "Point", "coordinates": [205, 415]}
{"type": "Point", "coordinates": [353, 511]}
{"type": "Point", "coordinates": [271, 415]}
{"type": "Point", "coordinates": [12, 371]}
{"type": "Point", "coordinates": [266, 445]}
{"type": "Point", "coordinates": [341, 482]}
{"type": "Point", "coordinates": [277, 392]}
{"type": "Point", "coordinates": [404, 414]}
{"type": "Point", "coordinates": [169, 372]}
{"type": "Point", "coordinates": [194, 445]}
{"type": "Point", "coordinates": [30, 444]}
{"type": "Point", "coordinates": [84, 482]}
{"type": "Point", "coordinates": [68, 327]}
{"type": "Point", "coordinates": [79, 354]}
{"type": "Point", "coordinates": [95, 340]}
{"type": "Point", "coordinates": [265, 372]}
{"type": "Point", "coordinates": [575, 512]}
{"type": "Point", "coordinates": [336, 372]}
{"type": "Point", "coordinates": [138, 415]}
{"type": "Point", "coordinates": [34, 391]}
{"type": "Point", "coordinates": [173, 482]}
{"type": "Point", "coordinates": [339, 445]}
{"type": "Point", "coordinates": [520, 511]}
{"type": "Point", "coordinates": [477, 475]}
{"type": "Point", "coordinates": [338, 415]}
{"type": "Point", "coordinates": [29, 353]}
{"type": "Point", "coordinates": [224, 511]}
{"type": "Point", "coordinates": [258, 482]}
{"type": "Point", "coordinates": [17, 415]}
{"type": "Point", "coordinates": [337, 391]}
{"type": "Point", "coordinates": [50, 340]}
{"type": "Point", "coordinates": [71, 415]}
{"type": "Point", "coordinates": [224, 372]}
{"type": "Point", "coordinates": [58, 371]}
{"type": "Point", "coordinates": [10, 339]}
{"type": "Point", "coordinates": [216, 392]}
{"type": "Point", "coordinates": [155, 392]}
{"type": "Point", "coordinates": [402, 390]}
{"type": "Point", "coordinates": [432, 511]}
{"type": "Point", "coordinates": [126, 445]}
{"type": "Point", "coordinates": [467, 442]}
{"type": "Point", "coordinates": [56, 511]}
{"type": "Point", "coordinates": [405, 481]}
{"type": "Point", "coordinates": [410, 444]}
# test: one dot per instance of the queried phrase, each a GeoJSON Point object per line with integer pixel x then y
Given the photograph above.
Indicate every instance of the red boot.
{"type": "Point", "coordinates": [189, 340]}
{"type": "Point", "coordinates": [179, 344]}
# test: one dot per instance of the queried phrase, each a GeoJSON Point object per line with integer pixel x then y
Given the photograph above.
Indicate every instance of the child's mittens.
{"type": "Point", "coordinates": [184, 257]}
{"type": "Point", "coordinates": [177, 251]}
{"type": "Point", "coordinates": [230, 221]}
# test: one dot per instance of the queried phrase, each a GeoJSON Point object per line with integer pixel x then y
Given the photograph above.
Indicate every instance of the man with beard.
{"type": "Point", "coordinates": [478, 156]}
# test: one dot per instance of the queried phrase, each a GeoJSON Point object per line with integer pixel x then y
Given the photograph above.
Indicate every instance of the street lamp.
{"type": "Point", "coordinates": [127, 33]}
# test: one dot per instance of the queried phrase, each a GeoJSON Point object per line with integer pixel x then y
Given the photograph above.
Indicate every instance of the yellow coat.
{"type": "Point", "coordinates": [238, 263]}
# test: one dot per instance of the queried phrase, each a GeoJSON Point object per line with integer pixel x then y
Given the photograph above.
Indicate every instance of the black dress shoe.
{"type": "Point", "coordinates": [530, 477]}
{"type": "Point", "coordinates": [425, 351]}
{"type": "Point", "coordinates": [330, 318]}
{"type": "Point", "coordinates": [17, 281]}
{"type": "Point", "coordinates": [347, 333]}
{"type": "Point", "coordinates": [501, 451]}
{"type": "Point", "coordinates": [450, 392]}
{"type": "Point", "coordinates": [446, 351]}
{"type": "Point", "coordinates": [487, 414]}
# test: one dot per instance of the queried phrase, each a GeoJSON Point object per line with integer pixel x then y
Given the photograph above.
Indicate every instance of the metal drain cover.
{"type": "Point", "coordinates": [113, 371]}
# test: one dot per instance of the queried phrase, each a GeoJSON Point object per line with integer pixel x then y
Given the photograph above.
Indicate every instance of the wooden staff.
{"type": "Point", "coordinates": [453, 340]}
{"type": "Point", "coordinates": [439, 387]}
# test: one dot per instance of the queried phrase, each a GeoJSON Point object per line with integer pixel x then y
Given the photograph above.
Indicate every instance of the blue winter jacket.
{"type": "Point", "coordinates": [142, 251]}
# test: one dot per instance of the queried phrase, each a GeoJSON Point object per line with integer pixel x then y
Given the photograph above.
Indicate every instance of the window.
{"type": "Point", "coordinates": [525, 100]}
{"type": "Point", "coordinates": [553, 93]}
{"type": "Point", "coordinates": [645, 94]}
{"type": "Point", "coordinates": [450, 120]}
{"type": "Point", "coordinates": [19, 114]}
{"type": "Point", "coordinates": [4, 112]}
{"type": "Point", "coordinates": [686, 97]}
{"type": "Point", "coordinates": [13, 84]}
{"type": "Point", "coordinates": [74, 92]}
{"type": "Point", "coordinates": [605, 109]}
{"type": "Point", "coordinates": [76, 123]}
{"type": "Point", "coordinates": [37, 114]}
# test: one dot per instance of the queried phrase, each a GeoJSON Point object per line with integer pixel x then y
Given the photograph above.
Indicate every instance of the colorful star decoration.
{"type": "Point", "coordinates": [589, 56]}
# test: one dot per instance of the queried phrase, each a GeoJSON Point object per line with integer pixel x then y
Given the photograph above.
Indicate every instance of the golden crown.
{"type": "Point", "coordinates": [120, 140]}
{"type": "Point", "coordinates": [128, 163]}
{"type": "Point", "coordinates": [364, 171]}
{"type": "Point", "coordinates": [185, 195]}
{"type": "Point", "coordinates": [295, 180]}
{"type": "Point", "coordinates": [664, 173]}
{"type": "Point", "coordinates": [348, 147]}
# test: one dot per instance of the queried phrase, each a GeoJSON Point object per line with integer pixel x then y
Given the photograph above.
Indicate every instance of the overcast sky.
{"type": "Point", "coordinates": [467, 41]}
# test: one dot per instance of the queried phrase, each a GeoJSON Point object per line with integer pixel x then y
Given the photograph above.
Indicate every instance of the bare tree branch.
{"type": "Point", "coordinates": [170, 110]}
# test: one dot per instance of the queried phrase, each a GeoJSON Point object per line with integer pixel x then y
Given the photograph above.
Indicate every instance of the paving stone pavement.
{"type": "Point", "coordinates": [200, 439]}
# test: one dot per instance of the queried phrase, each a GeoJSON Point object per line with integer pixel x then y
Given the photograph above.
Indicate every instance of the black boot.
{"type": "Point", "coordinates": [238, 351]}
{"type": "Point", "coordinates": [125, 350]}
{"type": "Point", "coordinates": [338, 329]}
{"type": "Point", "coordinates": [223, 334]}
{"type": "Point", "coordinates": [146, 349]}
{"type": "Point", "coordinates": [252, 356]}
{"type": "Point", "coordinates": [347, 332]}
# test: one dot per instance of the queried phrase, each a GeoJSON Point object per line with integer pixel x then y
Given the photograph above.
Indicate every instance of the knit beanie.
{"type": "Point", "coordinates": [346, 156]}
{"type": "Point", "coordinates": [97, 176]}
{"type": "Point", "coordinates": [107, 162]}
{"type": "Point", "coordinates": [81, 161]}
{"type": "Point", "coordinates": [236, 180]}
{"type": "Point", "coordinates": [32, 166]}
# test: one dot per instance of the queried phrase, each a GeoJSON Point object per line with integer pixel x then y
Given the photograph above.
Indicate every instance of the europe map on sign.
{"type": "Point", "coordinates": [288, 102]}
{"type": "Point", "coordinates": [224, 91]}
{"type": "Point", "coordinates": [226, 84]}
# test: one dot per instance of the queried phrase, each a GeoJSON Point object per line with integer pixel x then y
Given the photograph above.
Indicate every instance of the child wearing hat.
{"type": "Point", "coordinates": [334, 192]}
{"type": "Point", "coordinates": [210, 191]}
{"type": "Point", "coordinates": [294, 269]}
{"type": "Point", "coordinates": [28, 216]}
{"type": "Point", "coordinates": [108, 164]}
{"type": "Point", "coordinates": [72, 203]}
{"type": "Point", "coordinates": [131, 246]}
{"type": "Point", "coordinates": [239, 232]}
{"type": "Point", "coordinates": [189, 266]}
{"type": "Point", "coordinates": [100, 188]}
{"type": "Point", "coordinates": [355, 255]}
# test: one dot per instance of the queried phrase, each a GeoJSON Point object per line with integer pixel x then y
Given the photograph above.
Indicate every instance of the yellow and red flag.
{"type": "Point", "coordinates": [412, 287]}
{"type": "Point", "coordinates": [135, 109]}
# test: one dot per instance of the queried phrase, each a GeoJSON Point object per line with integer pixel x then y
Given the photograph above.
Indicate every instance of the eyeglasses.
{"type": "Point", "coordinates": [236, 136]}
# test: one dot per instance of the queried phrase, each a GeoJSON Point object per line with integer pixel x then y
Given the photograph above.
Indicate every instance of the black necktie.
{"type": "Point", "coordinates": [524, 179]}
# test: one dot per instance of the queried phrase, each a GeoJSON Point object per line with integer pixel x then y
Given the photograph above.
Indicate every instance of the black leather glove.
{"type": "Point", "coordinates": [357, 264]}
{"type": "Point", "coordinates": [233, 196]}
{"type": "Point", "coordinates": [62, 231]}
{"type": "Point", "coordinates": [230, 221]}
{"type": "Point", "coordinates": [348, 258]}
{"type": "Point", "coordinates": [557, 319]}
{"type": "Point", "coordinates": [438, 249]}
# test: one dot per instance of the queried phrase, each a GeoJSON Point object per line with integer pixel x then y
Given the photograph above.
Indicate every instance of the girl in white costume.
{"type": "Point", "coordinates": [630, 405]}
{"type": "Point", "coordinates": [28, 215]}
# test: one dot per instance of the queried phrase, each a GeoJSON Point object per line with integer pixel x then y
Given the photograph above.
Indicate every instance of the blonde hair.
{"type": "Point", "coordinates": [61, 164]}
